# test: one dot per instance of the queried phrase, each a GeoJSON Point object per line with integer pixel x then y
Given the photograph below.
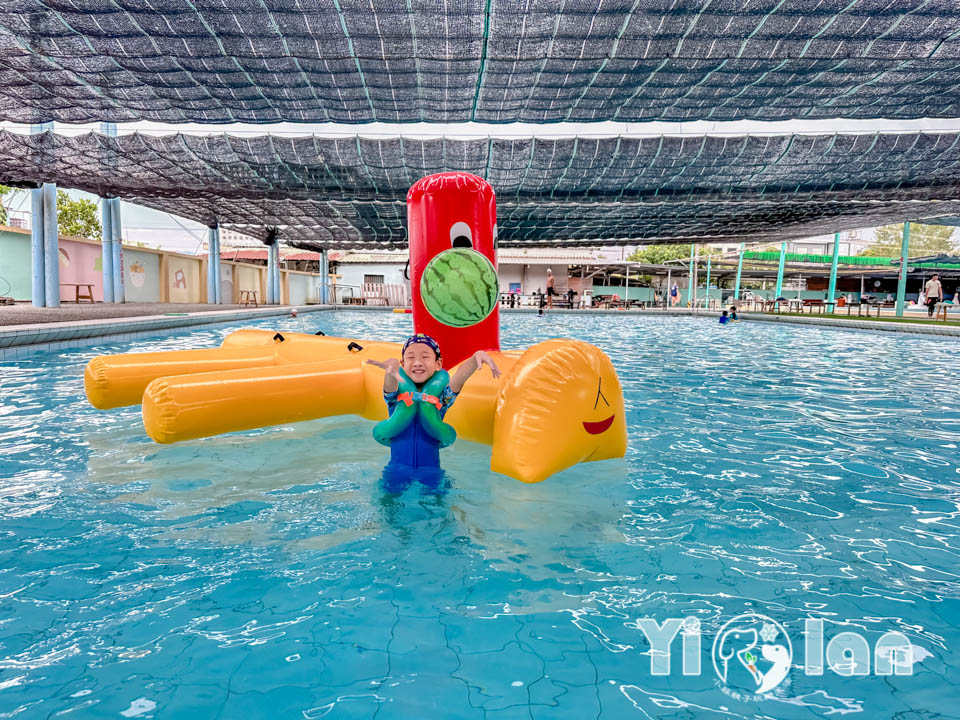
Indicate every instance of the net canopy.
{"type": "Point", "coordinates": [350, 191]}
{"type": "Point", "coordinates": [497, 61]}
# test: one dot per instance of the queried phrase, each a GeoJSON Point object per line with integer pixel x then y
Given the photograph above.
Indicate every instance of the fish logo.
{"type": "Point", "coordinates": [752, 653]}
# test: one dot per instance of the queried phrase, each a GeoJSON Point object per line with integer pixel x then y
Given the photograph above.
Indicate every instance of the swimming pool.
{"type": "Point", "coordinates": [793, 472]}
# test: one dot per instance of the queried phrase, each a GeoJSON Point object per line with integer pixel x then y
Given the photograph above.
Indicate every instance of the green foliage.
{"type": "Point", "coordinates": [659, 254]}
{"type": "Point", "coordinates": [924, 240]}
{"type": "Point", "coordinates": [4, 191]}
{"type": "Point", "coordinates": [77, 217]}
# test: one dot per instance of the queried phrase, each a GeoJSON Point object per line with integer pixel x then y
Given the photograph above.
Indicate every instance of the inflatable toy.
{"type": "Point", "coordinates": [459, 287]}
{"type": "Point", "coordinates": [556, 404]}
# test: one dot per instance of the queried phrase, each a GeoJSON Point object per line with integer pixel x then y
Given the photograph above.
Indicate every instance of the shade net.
{"type": "Point", "coordinates": [350, 192]}
{"type": "Point", "coordinates": [356, 61]}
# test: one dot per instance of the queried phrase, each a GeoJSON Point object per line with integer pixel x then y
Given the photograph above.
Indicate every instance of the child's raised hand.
{"type": "Point", "coordinates": [481, 358]}
{"type": "Point", "coordinates": [391, 366]}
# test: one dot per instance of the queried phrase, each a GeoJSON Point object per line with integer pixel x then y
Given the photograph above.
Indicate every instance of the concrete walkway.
{"type": "Point", "coordinates": [26, 314]}
{"type": "Point", "coordinates": [18, 341]}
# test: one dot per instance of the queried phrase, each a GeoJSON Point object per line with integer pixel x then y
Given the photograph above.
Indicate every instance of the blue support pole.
{"type": "Point", "coordinates": [211, 265]}
{"type": "Point", "coordinates": [106, 248]}
{"type": "Point", "coordinates": [324, 277]}
{"type": "Point", "coordinates": [51, 246]}
{"type": "Point", "coordinates": [691, 290]}
{"type": "Point", "coordinates": [106, 237]}
{"type": "Point", "coordinates": [270, 276]}
{"type": "Point", "coordinates": [277, 282]}
{"type": "Point", "coordinates": [902, 281]}
{"type": "Point", "coordinates": [783, 257]}
{"type": "Point", "coordinates": [832, 290]}
{"type": "Point", "coordinates": [38, 293]}
{"type": "Point", "coordinates": [118, 286]}
{"type": "Point", "coordinates": [217, 274]}
{"type": "Point", "coordinates": [38, 288]}
{"type": "Point", "coordinates": [736, 288]}
{"type": "Point", "coordinates": [707, 300]}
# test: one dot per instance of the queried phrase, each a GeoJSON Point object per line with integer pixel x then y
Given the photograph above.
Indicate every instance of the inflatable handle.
{"type": "Point", "coordinates": [354, 347]}
{"type": "Point", "coordinates": [321, 333]}
{"type": "Point", "coordinates": [279, 337]}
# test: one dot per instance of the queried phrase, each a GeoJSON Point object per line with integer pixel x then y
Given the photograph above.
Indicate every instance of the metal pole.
{"type": "Point", "coordinates": [783, 257]}
{"type": "Point", "coordinates": [690, 276]}
{"type": "Point", "coordinates": [211, 265]}
{"type": "Point", "coordinates": [106, 234]}
{"type": "Point", "coordinates": [666, 295]}
{"type": "Point", "coordinates": [736, 288]}
{"type": "Point", "coordinates": [106, 248]}
{"type": "Point", "coordinates": [51, 246]}
{"type": "Point", "coordinates": [707, 301]}
{"type": "Point", "coordinates": [626, 297]}
{"type": "Point", "coordinates": [832, 292]}
{"type": "Point", "coordinates": [324, 272]}
{"type": "Point", "coordinates": [277, 284]}
{"type": "Point", "coordinates": [118, 287]}
{"type": "Point", "coordinates": [269, 274]}
{"type": "Point", "coordinates": [38, 292]}
{"type": "Point", "coordinates": [902, 281]}
{"type": "Point", "coordinates": [218, 275]}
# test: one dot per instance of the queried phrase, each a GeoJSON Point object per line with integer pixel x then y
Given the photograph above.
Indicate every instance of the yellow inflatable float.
{"type": "Point", "coordinates": [557, 404]}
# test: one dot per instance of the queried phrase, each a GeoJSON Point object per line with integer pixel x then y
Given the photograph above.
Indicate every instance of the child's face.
{"type": "Point", "coordinates": [420, 362]}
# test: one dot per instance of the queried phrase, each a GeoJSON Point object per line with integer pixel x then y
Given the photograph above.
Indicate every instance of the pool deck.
{"type": "Point", "coordinates": [47, 329]}
{"type": "Point", "coordinates": [44, 329]}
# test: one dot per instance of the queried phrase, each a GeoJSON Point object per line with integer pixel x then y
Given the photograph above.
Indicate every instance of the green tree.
{"type": "Point", "coordinates": [4, 191]}
{"type": "Point", "coordinates": [77, 217]}
{"type": "Point", "coordinates": [659, 254]}
{"type": "Point", "coordinates": [924, 240]}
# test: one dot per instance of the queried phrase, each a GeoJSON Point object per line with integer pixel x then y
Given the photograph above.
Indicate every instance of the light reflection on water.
{"type": "Point", "coordinates": [794, 472]}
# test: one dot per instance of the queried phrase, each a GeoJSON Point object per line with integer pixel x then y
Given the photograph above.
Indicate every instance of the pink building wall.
{"type": "Point", "coordinates": [80, 263]}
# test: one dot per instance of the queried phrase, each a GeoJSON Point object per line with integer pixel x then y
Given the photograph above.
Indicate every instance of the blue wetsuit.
{"type": "Point", "coordinates": [413, 447]}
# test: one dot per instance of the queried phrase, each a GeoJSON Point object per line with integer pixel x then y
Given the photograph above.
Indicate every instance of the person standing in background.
{"type": "Point", "coordinates": [934, 292]}
{"type": "Point", "coordinates": [551, 291]}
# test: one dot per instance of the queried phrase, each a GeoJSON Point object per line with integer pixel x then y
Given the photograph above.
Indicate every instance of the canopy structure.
{"type": "Point", "coordinates": [495, 61]}
{"type": "Point", "coordinates": [350, 192]}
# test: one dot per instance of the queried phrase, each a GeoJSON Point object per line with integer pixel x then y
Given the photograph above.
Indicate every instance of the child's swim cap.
{"type": "Point", "coordinates": [421, 338]}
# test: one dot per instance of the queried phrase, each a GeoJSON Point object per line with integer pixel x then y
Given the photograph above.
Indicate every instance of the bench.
{"type": "Point", "coordinates": [942, 308]}
{"type": "Point", "coordinates": [247, 297]}
{"type": "Point", "coordinates": [85, 297]}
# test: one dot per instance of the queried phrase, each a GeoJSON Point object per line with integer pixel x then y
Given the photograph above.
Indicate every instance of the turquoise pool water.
{"type": "Point", "coordinates": [794, 472]}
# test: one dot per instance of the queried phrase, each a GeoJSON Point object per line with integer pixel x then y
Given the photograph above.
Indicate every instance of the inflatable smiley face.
{"type": "Point", "coordinates": [561, 405]}
{"type": "Point", "coordinates": [447, 211]}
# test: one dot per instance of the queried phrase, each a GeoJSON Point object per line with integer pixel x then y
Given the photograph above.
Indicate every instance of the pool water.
{"type": "Point", "coordinates": [793, 472]}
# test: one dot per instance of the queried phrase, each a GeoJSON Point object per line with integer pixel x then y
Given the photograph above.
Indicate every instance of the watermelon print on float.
{"type": "Point", "coordinates": [459, 287]}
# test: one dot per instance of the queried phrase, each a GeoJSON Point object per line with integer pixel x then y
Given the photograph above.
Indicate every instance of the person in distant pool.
{"type": "Point", "coordinates": [733, 313]}
{"type": "Point", "coordinates": [724, 319]}
{"type": "Point", "coordinates": [414, 448]}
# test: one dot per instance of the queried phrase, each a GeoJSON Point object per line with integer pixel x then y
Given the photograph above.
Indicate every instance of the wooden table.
{"type": "Point", "coordinates": [942, 308]}
{"type": "Point", "coordinates": [248, 296]}
{"type": "Point", "coordinates": [85, 297]}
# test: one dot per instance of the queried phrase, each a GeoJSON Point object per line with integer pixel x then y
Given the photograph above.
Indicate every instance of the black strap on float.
{"type": "Point", "coordinates": [279, 337]}
{"type": "Point", "coordinates": [320, 332]}
{"type": "Point", "coordinates": [354, 347]}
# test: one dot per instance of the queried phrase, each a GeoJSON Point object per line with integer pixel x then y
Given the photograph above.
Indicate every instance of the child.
{"type": "Point", "coordinates": [733, 313]}
{"type": "Point", "coordinates": [414, 447]}
{"type": "Point", "coordinates": [723, 318]}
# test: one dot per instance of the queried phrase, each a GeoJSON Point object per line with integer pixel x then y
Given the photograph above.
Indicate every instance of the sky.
{"type": "Point", "coordinates": [158, 229]}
